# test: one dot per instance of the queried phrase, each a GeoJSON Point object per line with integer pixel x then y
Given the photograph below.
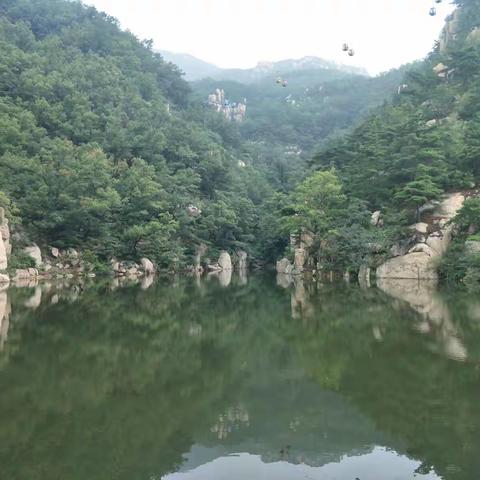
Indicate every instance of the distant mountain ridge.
{"type": "Point", "coordinates": [196, 69]}
{"type": "Point", "coordinates": [193, 67]}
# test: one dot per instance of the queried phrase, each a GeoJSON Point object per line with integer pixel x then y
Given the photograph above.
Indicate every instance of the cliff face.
{"type": "Point", "coordinates": [231, 111]}
{"type": "Point", "coordinates": [433, 238]}
{"type": "Point", "coordinates": [5, 246]}
{"type": "Point", "coordinates": [450, 31]}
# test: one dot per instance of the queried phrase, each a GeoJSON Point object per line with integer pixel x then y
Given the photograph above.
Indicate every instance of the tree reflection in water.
{"type": "Point", "coordinates": [104, 380]}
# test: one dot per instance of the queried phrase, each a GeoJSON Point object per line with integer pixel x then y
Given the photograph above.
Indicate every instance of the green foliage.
{"type": "Point", "coordinates": [285, 126]}
{"type": "Point", "coordinates": [419, 191]}
{"type": "Point", "coordinates": [469, 214]}
{"type": "Point", "coordinates": [20, 260]}
{"type": "Point", "coordinates": [100, 148]}
{"type": "Point", "coordinates": [10, 209]}
{"type": "Point", "coordinates": [315, 203]}
{"type": "Point", "coordinates": [472, 274]}
{"type": "Point", "coordinates": [103, 148]}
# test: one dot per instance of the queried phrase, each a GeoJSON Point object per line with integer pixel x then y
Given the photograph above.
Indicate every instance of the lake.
{"type": "Point", "coordinates": [239, 378]}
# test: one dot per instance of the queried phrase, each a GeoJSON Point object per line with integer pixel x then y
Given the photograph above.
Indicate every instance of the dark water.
{"type": "Point", "coordinates": [248, 380]}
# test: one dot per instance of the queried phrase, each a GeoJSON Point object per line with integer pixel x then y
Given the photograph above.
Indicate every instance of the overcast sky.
{"type": "Point", "coordinates": [240, 33]}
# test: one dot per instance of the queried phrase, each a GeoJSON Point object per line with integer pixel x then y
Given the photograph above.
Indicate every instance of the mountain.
{"type": "Point", "coordinates": [284, 126]}
{"type": "Point", "coordinates": [194, 68]}
{"type": "Point", "coordinates": [272, 69]}
{"type": "Point", "coordinates": [419, 148]}
{"type": "Point", "coordinates": [102, 151]}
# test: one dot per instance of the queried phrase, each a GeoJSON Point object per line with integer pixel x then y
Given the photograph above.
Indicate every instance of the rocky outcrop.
{"type": "Point", "coordinates": [3, 256]}
{"type": "Point", "coordinates": [284, 267]}
{"type": "Point", "coordinates": [434, 316]}
{"type": "Point", "coordinates": [147, 266]}
{"type": "Point", "coordinates": [225, 261]}
{"type": "Point", "coordinates": [5, 232]}
{"type": "Point", "coordinates": [450, 31]}
{"type": "Point", "coordinates": [34, 252]}
{"type": "Point", "coordinates": [307, 239]}
{"type": "Point", "coordinates": [300, 260]}
{"type": "Point", "coordinates": [5, 247]}
{"type": "Point", "coordinates": [415, 265]}
{"type": "Point", "coordinates": [432, 241]}
{"type": "Point", "coordinates": [25, 274]}
{"type": "Point", "coordinates": [4, 279]}
{"type": "Point", "coordinates": [232, 111]}
{"type": "Point", "coordinates": [376, 219]}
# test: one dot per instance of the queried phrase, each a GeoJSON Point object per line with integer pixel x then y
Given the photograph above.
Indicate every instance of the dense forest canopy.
{"type": "Point", "coordinates": [99, 147]}
{"type": "Point", "coordinates": [104, 147]}
{"type": "Point", "coordinates": [317, 105]}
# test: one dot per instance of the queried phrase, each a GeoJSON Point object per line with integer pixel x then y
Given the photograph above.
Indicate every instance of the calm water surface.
{"type": "Point", "coordinates": [239, 379]}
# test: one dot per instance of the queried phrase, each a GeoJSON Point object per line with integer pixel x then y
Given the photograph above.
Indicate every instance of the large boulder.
{"type": "Point", "coordinates": [420, 227]}
{"type": "Point", "coordinates": [225, 261]}
{"type": "Point", "coordinates": [415, 265]}
{"type": "Point", "coordinates": [33, 251]}
{"type": "Point", "coordinates": [376, 219]}
{"type": "Point", "coordinates": [284, 266]}
{"type": "Point", "coordinates": [26, 274]}
{"type": "Point", "coordinates": [147, 266]}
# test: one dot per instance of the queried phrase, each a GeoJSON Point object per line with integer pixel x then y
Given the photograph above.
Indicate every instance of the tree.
{"type": "Point", "coordinates": [315, 203]}
{"type": "Point", "coordinates": [419, 191]}
{"type": "Point", "coordinates": [469, 214]}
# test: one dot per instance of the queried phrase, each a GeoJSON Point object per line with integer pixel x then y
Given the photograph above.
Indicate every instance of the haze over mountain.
{"type": "Point", "coordinates": [194, 68]}
{"type": "Point", "coordinates": [197, 69]}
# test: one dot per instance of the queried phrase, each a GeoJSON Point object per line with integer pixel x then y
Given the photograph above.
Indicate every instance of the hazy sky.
{"type": "Point", "coordinates": [239, 33]}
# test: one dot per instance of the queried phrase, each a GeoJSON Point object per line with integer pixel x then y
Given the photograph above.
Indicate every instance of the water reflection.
{"type": "Point", "coordinates": [245, 466]}
{"type": "Point", "coordinates": [193, 380]}
{"type": "Point", "coordinates": [4, 316]}
{"type": "Point", "coordinates": [434, 319]}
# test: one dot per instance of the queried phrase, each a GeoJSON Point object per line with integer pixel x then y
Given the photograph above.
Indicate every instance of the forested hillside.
{"type": "Point", "coordinates": [315, 105]}
{"type": "Point", "coordinates": [421, 144]}
{"type": "Point", "coordinates": [103, 146]}
{"type": "Point", "coordinates": [99, 148]}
